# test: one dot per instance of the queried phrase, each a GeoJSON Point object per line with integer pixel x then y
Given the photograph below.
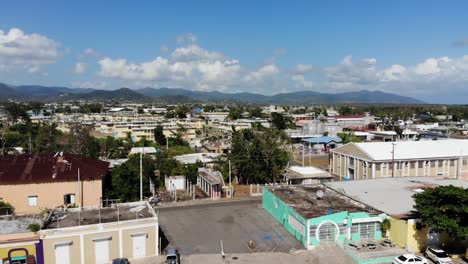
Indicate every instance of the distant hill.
{"type": "Point", "coordinates": [178, 95]}
{"type": "Point", "coordinates": [303, 97]}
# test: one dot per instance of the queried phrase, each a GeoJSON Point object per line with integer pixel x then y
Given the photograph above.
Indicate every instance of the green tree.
{"type": "Point", "coordinates": [16, 111]}
{"type": "Point", "coordinates": [113, 148]}
{"type": "Point", "coordinates": [444, 208]}
{"type": "Point", "coordinates": [46, 139]}
{"type": "Point", "coordinates": [159, 136]}
{"type": "Point", "coordinates": [258, 156]}
{"type": "Point", "coordinates": [279, 121]}
{"type": "Point", "coordinates": [234, 114]}
{"type": "Point", "coordinates": [124, 181]}
{"type": "Point", "coordinates": [255, 112]}
{"type": "Point", "coordinates": [81, 142]}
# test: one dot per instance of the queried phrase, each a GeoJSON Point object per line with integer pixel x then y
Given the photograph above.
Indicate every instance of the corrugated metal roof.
{"type": "Point", "coordinates": [47, 167]}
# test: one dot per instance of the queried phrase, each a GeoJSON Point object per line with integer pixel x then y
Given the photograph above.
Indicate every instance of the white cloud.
{"type": "Point", "coordinates": [21, 51]}
{"type": "Point", "coordinates": [187, 38]}
{"type": "Point", "coordinates": [89, 53]}
{"type": "Point", "coordinates": [194, 52]}
{"type": "Point", "coordinates": [80, 67]}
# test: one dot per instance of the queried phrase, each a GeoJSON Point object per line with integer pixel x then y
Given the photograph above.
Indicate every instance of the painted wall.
{"type": "Point", "coordinates": [87, 237]}
{"type": "Point", "coordinates": [49, 195]}
{"type": "Point", "coordinates": [281, 212]}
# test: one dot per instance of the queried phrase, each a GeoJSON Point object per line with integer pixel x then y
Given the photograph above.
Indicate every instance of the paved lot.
{"type": "Point", "coordinates": [199, 229]}
{"type": "Point", "coordinates": [328, 254]}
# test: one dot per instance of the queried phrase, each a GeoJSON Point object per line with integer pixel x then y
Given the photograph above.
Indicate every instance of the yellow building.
{"type": "Point", "coordinates": [20, 247]}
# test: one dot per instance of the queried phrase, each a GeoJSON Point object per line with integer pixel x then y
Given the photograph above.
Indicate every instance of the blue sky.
{"type": "Point", "coordinates": [414, 48]}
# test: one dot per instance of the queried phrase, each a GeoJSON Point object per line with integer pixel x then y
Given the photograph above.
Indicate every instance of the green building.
{"type": "Point", "coordinates": [315, 214]}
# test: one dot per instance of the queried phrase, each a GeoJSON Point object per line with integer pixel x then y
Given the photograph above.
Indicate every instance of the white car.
{"type": "Point", "coordinates": [409, 258]}
{"type": "Point", "coordinates": [437, 255]}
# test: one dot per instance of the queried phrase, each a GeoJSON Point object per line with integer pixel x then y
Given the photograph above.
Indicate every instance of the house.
{"type": "Point", "coordinates": [448, 158]}
{"type": "Point", "coordinates": [211, 182]}
{"type": "Point", "coordinates": [95, 235]}
{"type": "Point", "coordinates": [384, 135]}
{"type": "Point", "coordinates": [315, 215]}
{"type": "Point", "coordinates": [393, 196]}
{"type": "Point", "coordinates": [32, 182]}
{"type": "Point", "coordinates": [296, 175]}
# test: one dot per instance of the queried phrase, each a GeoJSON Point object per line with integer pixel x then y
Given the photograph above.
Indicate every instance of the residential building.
{"type": "Point", "coordinates": [32, 182]}
{"type": "Point", "coordinates": [356, 161]}
{"type": "Point", "coordinates": [297, 175]}
{"type": "Point", "coordinates": [211, 182]}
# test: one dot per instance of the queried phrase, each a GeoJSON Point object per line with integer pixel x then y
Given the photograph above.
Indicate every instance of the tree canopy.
{"type": "Point", "coordinates": [444, 208]}
{"type": "Point", "coordinates": [258, 155]}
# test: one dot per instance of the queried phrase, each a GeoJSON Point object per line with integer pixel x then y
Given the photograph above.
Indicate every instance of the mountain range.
{"type": "Point", "coordinates": [177, 95]}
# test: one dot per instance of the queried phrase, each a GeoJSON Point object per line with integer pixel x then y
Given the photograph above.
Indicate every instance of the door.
{"type": "Point", "coordinates": [101, 251]}
{"type": "Point", "coordinates": [139, 245]}
{"type": "Point", "coordinates": [62, 253]}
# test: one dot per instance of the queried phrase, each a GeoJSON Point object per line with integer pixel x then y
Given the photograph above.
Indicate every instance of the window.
{"type": "Point", "coordinates": [69, 198]}
{"type": "Point", "coordinates": [355, 229]}
{"type": "Point", "coordinates": [32, 200]}
{"type": "Point", "coordinates": [342, 229]}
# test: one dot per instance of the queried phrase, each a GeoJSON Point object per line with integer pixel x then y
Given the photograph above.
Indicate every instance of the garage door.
{"type": "Point", "coordinates": [101, 250]}
{"type": "Point", "coordinates": [139, 245]}
{"type": "Point", "coordinates": [62, 253]}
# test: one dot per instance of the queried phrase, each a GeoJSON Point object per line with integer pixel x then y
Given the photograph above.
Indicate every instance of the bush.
{"type": "Point", "coordinates": [6, 208]}
{"type": "Point", "coordinates": [34, 227]}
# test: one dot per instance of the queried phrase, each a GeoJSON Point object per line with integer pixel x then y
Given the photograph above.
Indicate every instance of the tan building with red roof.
{"type": "Point", "coordinates": [34, 182]}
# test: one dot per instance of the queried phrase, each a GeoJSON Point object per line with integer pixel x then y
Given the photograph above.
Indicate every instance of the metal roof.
{"type": "Point", "coordinates": [407, 150]}
{"type": "Point", "coordinates": [323, 140]}
{"type": "Point", "coordinates": [391, 195]}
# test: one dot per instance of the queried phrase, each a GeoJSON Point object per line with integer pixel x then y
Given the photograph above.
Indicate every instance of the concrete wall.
{"type": "Point", "coordinates": [82, 241]}
{"type": "Point", "coordinates": [49, 195]}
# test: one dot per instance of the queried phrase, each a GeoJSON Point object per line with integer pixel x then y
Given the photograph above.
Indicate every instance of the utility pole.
{"type": "Point", "coordinates": [79, 189]}
{"type": "Point", "coordinates": [230, 187]}
{"type": "Point", "coordinates": [141, 176]}
{"type": "Point", "coordinates": [303, 150]}
{"type": "Point", "coordinates": [393, 159]}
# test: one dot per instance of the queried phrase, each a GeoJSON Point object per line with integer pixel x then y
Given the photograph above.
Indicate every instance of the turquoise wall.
{"type": "Point", "coordinates": [280, 211]}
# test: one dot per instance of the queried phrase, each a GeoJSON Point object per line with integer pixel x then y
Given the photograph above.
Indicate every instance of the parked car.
{"type": "Point", "coordinates": [120, 261]}
{"type": "Point", "coordinates": [409, 258]}
{"type": "Point", "coordinates": [437, 255]}
{"type": "Point", "coordinates": [172, 256]}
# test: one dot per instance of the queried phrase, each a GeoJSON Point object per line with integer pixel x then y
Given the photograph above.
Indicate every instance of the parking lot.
{"type": "Point", "coordinates": [199, 229]}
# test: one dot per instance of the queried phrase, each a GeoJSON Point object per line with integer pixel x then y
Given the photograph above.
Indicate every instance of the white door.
{"type": "Point", "coordinates": [101, 251]}
{"type": "Point", "coordinates": [139, 245]}
{"type": "Point", "coordinates": [62, 254]}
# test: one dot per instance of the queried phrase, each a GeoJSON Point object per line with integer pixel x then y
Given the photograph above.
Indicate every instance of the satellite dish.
{"type": "Point", "coordinates": [319, 194]}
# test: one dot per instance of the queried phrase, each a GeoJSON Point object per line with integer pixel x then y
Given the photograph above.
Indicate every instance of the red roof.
{"type": "Point", "coordinates": [49, 167]}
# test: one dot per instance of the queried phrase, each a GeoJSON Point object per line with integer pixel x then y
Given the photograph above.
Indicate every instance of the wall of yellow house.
{"type": "Point", "coordinates": [5, 248]}
{"type": "Point", "coordinates": [398, 231]}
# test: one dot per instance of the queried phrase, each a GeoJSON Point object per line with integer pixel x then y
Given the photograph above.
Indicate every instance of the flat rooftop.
{"type": "Point", "coordinates": [89, 216]}
{"type": "Point", "coordinates": [392, 196]}
{"type": "Point", "coordinates": [16, 224]}
{"type": "Point", "coordinates": [305, 201]}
